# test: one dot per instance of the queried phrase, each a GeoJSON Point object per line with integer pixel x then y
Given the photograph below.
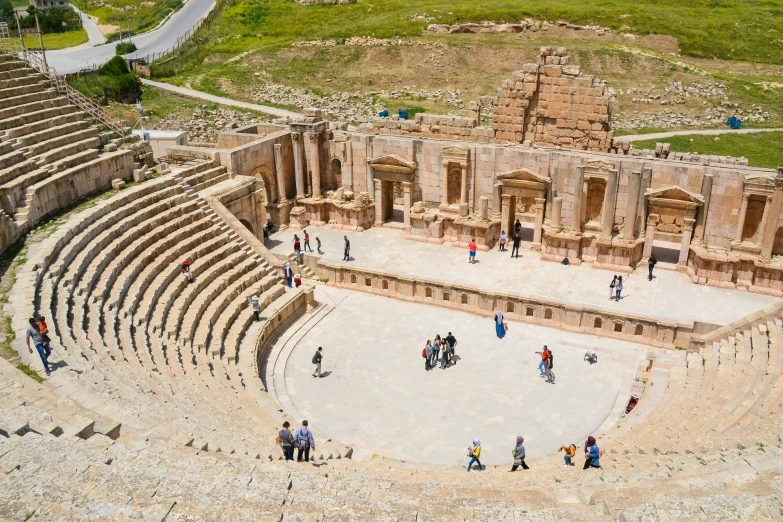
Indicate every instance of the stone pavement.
{"type": "Point", "coordinates": [377, 397]}
{"type": "Point", "coordinates": [670, 295]}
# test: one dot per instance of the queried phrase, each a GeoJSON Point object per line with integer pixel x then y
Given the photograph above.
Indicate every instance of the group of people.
{"type": "Point", "coordinates": [302, 440]}
{"type": "Point", "coordinates": [307, 248]}
{"type": "Point", "coordinates": [591, 450]}
{"type": "Point", "coordinates": [291, 279]}
{"type": "Point", "coordinates": [546, 364]}
{"type": "Point", "coordinates": [441, 349]}
{"type": "Point", "coordinates": [39, 333]}
{"type": "Point", "coordinates": [516, 240]}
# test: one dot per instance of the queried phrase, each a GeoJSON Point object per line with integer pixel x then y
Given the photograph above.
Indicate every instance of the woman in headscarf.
{"type": "Point", "coordinates": [500, 328]}
{"type": "Point", "coordinates": [592, 453]}
{"type": "Point", "coordinates": [289, 276]}
{"type": "Point", "coordinates": [519, 455]}
{"type": "Point", "coordinates": [474, 452]}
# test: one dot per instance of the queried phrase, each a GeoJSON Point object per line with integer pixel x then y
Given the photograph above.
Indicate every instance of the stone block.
{"type": "Point", "coordinates": [118, 183]}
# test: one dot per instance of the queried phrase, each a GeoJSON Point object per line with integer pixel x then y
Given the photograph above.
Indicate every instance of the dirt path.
{"type": "Point", "coordinates": [708, 132]}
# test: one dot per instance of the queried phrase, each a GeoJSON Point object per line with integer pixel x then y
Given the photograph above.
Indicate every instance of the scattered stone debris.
{"type": "Point", "coordinates": [205, 123]}
{"type": "Point", "coordinates": [525, 25]}
{"type": "Point", "coordinates": [340, 106]}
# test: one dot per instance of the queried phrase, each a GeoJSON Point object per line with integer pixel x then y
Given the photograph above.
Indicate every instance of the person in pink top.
{"type": "Point", "coordinates": [472, 248]}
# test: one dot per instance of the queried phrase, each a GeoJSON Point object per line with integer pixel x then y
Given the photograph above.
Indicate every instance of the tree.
{"type": "Point", "coordinates": [7, 13]}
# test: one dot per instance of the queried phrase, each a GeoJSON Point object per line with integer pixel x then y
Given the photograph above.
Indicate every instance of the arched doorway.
{"type": "Point", "coordinates": [248, 225]}
{"type": "Point", "coordinates": [337, 172]}
{"type": "Point", "coordinates": [270, 186]}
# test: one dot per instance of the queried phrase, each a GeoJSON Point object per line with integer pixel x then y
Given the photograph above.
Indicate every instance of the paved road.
{"type": "Point", "coordinates": [707, 132]}
{"type": "Point", "coordinates": [74, 59]}
{"type": "Point", "coordinates": [191, 93]}
{"type": "Point", "coordinates": [93, 33]}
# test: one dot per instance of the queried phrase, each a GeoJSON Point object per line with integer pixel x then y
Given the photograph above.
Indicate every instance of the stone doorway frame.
{"type": "Point", "coordinates": [676, 198]}
{"type": "Point", "coordinates": [454, 157]}
{"type": "Point", "coordinates": [522, 182]}
{"type": "Point", "coordinates": [387, 170]}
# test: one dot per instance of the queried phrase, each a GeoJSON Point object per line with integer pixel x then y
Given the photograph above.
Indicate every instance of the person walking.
{"type": "Point", "coordinates": [502, 241]}
{"type": "Point", "coordinates": [515, 242]}
{"type": "Point", "coordinates": [289, 275]}
{"type": "Point", "coordinates": [286, 439]}
{"type": "Point", "coordinates": [472, 249]}
{"type": "Point", "coordinates": [256, 307]}
{"type": "Point", "coordinates": [518, 228]}
{"type": "Point", "coordinates": [33, 333]}
{"type": "Point", "coordinates": [297, 247]}
{"type": "Point", "coordinates": [304, 442]}
{"type": "Point", "coordinates": [570, 452]}
{"type": "Point", "coordinates": [44, 331]}
{"type": "Point", "coordinates": [451, 343]}
{"type": "Point", "coordinates": [318, 245]}
{"type": "Point", "coordinates": [611, 287]}
{"type": "Point", "coordinates": [317, 361]}
{"type": "Point", "coordinates": [500, 328]}
{"type": "Point", "coordinates": [519, 454]}
{"type": "Point", "coordinates": [592, 454]}
{"type": "Point", "coordinates": [550, 363]}
{"type": "Point", "coordinates": [544, 360]}
{"type": "Point", "coordinates": [186, 273]}
{"type": "Point", "coordinates": [347, 247]}
{"type": "Point", "coordinates": [474, 452]}
{"type": "Point", "coordinates": [307, 242]}
{"type": "Point", "coordinates": [651, 264]}
{"type": "Point", "coordinates": [618, 288]}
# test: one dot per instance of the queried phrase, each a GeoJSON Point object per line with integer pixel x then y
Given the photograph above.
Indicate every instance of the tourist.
{"type": "Point", "coordinates": [427, 353]}
{"type": "Point", "coordinates": [269, 225]}
{"type": "Point", "coordinates": [500, 328]}
{"type": "Point", "coordinates": [451, 343]}
{"type": "Point", "coordinates": [307, 242]}
{"type": "Point", "coordinates": [347, 247]}
{"type": "Point", "coordinates": [286, 439]}
{"type": "Point", "coordinates": [256, 307]}
{"type": "Point", "coordinates": [318, 245]}
{"type": "Point", "coordinates": [474, 452]}
{"type": "Point", "coordinates": [611, 287]}
{"type": "Point", "coordinates": [304, 441]}
{"type": "Point", "coordinates": [472, 248]}
{"type": "Point", "coordinates": [502, 241]}
{"type": "Point", "coordinates": [448, 355]}
{"type": "Point", "coordinates": [570, 451]}
{"type": "Point", "coordinates": [32, 331]}
{"type": "Point", "coordinates": [515, 242]}
{"type": "Point", "coordinates": [592, 454]}
{"type": "Point", "coordinates": [288, 274]}
{"type": "Point", "coordinates": [436, 351]}
{"type": "Point", "coordinates": [317, 361]}
{"type": "Point", "coordinates": [518, 228]}
{"type": "Point", "coordinates": [297, 247]}
{"type": "Point", "coordinates": [519, 454]}
{"type": "Point", "coordinates": [618, 288]}
{"type": "Point", "coordinates": [550, 363]}
{"type": "Point", "coordinates": [297, 281]}
{"type": "Point", "coordinates": [44, 330]}
{"type": "Point", "coordinates": [187, 274]}
{"type": "Point", "coordinates": [544, 360]}
{"type": "Point", "coordinates": [651, 264]}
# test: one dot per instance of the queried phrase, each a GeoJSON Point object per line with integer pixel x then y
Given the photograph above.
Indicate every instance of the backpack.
{"type": "Point", "coordinates": [302, 441]}
{"type": "Point", "coordinates": [315, 358]}
{"type": "Point", "coordinates": [424, 353]}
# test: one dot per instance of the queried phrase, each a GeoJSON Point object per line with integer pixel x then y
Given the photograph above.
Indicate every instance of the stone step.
{"type": "Point", "coordinates": [28, 121]}
{"type": "Point", "coordinates": [26, 98]}
{"type": "Point", "coordinates": [20, 90]}
{"type": "Point", "coordinates": [8, 116]}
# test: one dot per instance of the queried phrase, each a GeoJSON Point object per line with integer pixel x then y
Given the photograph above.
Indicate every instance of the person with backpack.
{"type": "Point", "coordinates": [426, 354]}
{"type": "Point", "coordinates": [304, 442]}
{"type": "Point", "coordinates": [550, 377]}
{"type": "Point", "coordinates": [317, 362]}
{"type": "Point", "coordinates": [544, 360]}
{"type": "Point", "coordinates": [286, 440]}
{"type": "Point", "coordinates": [651, 264]}
{"type": "Point", "coordinates": [611, 287]}
{"type": "Point", "coordinates": [592, 454]}
{"type": "Point", "coordinates": [474, 452]}
{"type": "Point", "coordinates": [519, 454]}
{"type": "Point", "coordinates": [570, 452]}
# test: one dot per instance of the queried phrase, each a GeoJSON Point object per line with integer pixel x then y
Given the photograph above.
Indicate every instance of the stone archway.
{"type": "Point", "coordinates": [270, 186]}
{"type": "Point", "coordinates": [248, 225]}
{"type": "Point", "coordinates": [336, 172]}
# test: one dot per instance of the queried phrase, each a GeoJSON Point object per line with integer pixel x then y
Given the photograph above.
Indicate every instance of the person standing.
{"type": "Point", "coordinates": [518, 228]}
{"type": "Point", "coordinates": [297, 247]}
{"type": "Point", "coordinates": [550, 363]}
{"type": "Point", "coordinates": [611, 287]}
{"type": "Point", "coordinates": [289, 275]}
{"type": "Point", "coordinates": [317, 362]}
{"type": "Point", "coordinates": [570, 452]}
{"type": "Point", "coordinates": [544, 360]}
{"type": "Point", "coordinates": [474, 453]}
{"type": "Point", "coordinates": [515, 242]}
{"type": "Point", "coordinates": [304, 442]}
{"type": "Point", "coordinates": [347, 247]}
{"type": "Point", "coordinates": [436, 352]}
{"type": "Point", "coordinates": [519, 454]}
{"type": "Point", "coordinates": [451, 342]}
{"type": "Point", "coordinates": [256, 307]}
{"type": "Point", "coordinates": [32, 332]}
{"type": "Point", "coordinates": [297, 281]}
{"type": "Point", "coordinates": [428, 355]}
{"type": "Point", "coordinates": [651, 264]}
{"type": "Point", "coordinates": [618, 288]}
{"type": "Point", "coordinates": [286, 441]}
{"type": "Point", "coordinates": [307, 242]}
{"type": "Point", "coordinates": [318, 245]}
{"type": "Point", "coordinates": [500, 328]}
{"type": "Point", "coordinates": [502, 241]}
{"type": "Point", "coordinates": [472, 248]}
{"type": "Point", "coordinates": [592, 454]}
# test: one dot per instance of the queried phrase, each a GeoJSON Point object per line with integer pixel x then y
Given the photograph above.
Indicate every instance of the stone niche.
{"type": "Point", "coordinates": [674, 206]}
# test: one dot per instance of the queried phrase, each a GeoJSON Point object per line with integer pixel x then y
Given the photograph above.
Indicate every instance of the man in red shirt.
{"type": "Point", "coordinates": [472, 248]}
{"type": "Point", "coordinates": [544, 360]}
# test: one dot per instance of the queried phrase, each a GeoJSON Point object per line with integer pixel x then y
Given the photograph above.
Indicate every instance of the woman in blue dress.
{"type": "Point", "coordinates": [500, 328]}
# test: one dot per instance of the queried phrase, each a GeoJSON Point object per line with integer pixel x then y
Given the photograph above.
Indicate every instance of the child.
{"type": "Point", "coordinates": [502, 241]}
{"type": "Point", "coordinates": [44, 335]}
{"type": "Point", "coordinates": [186, 271]}
{"type": "Point", "coordinates": [297, 280]}
{"type": "Point", "coordinates": [570, 451]}
{"type": "Point", "coordinates": [474, 452]}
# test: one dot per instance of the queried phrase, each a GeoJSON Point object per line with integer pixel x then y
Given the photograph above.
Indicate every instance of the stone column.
{"type": "Point", "coordinates": [576, 206]}
{"type": "Point", "coordinates": [687, 232]}
{"type": "Point", "coordinates": [741, 224]}
{"type": "Point", "coordinates": [369, 174]}
{"type": "Point", "coordinates": [610, 204]}
{"type": "Point", "coordinates": [649, 235]}
{"type": "Point", "coordinates": [484, 208]}
{"type": "Point", "coordinates": [497, 192]}
{"type": "Point", "coordinates": [406, 201]}
{"type": "Point", "coordinates": [540, 202]}
{"type": "Point", "coordinates": [379, 217]}
{"type": "Point", "coordinates": [764, 218]}
{"type": "Point", "coordinates": [506, 217]}
{"type": "Point", "coordinates": [557, 211]}
{"type": "Point", "coordinates": [300, 190]}
{"type": "Point", "coordinates": [349, 164]}
{"type": "Point", "coordinates": [774, 214]}
{"type": "Point", "coordinates": [444, 187]}
{"type": "Point", "coordinates": [703, 211]}
{"type": "Point", "coordinates": [634, 182]}
{"type": "Point", "coordinates": [280, 178]}
{"type": "Point", "coordinates": [315, 159]}
{"type": "Point", "coordinates": [463, 195]}
{"type": "Point", "coordinates": [641, 211]}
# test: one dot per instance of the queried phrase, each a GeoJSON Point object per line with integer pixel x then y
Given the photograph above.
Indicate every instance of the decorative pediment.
{"type": "Point", "coordinates": [523, 175]}
{"type": "Point", "coordinates": [674, 197]}
{"type": "Point", "coordinates": [454, 153]}
{"type": "Point", "coordinates": [392, 168]}
{"type": "Point", "coordinates": [392, 160]}
{"type": "Point", "coordinates": [759, 184]}
{"type": "Point", "coordinates": [599, 165]}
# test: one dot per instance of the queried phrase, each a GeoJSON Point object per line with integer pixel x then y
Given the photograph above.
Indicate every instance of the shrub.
{"type": "Point", "coordinates": [124, 48]}
{"type": "Point", "coordinates": [114, 81]}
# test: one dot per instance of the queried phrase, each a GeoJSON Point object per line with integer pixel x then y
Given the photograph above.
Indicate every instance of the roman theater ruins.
{"type": "Point", "coordinates": [166, 396]}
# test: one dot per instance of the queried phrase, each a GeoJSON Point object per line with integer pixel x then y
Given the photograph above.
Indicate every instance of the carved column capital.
{"type": "Point", "coordinates": [296, 136]}
{"type": "Point", "coordinates": [746, 196]}
{"type": "Point", "coordinates": [313, 137]}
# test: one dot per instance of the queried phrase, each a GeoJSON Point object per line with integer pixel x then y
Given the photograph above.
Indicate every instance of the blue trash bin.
{"type": "Point", "coordinates": [403, 114]}
{"type": "Point", "coordinates": [384, 113]}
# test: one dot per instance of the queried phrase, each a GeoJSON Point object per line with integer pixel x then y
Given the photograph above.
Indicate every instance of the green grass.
{"type": "Point", "coordinates": [138, 19]}
{"type": "Point", "coordinates": [763, 149]}
{"type": "Point", "coordinates": [54, 41]}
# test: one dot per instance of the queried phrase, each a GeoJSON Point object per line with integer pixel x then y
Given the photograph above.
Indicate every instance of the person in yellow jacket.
{"type": "Point", "coordinates": [474, 452]}
{"type": "Point", "coordinates": [570, 451]}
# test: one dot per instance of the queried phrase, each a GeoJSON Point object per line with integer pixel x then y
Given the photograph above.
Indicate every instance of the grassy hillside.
{"type": "Point", "coordinates": [136, 15]}
{"type": "Point", "coordinates": [763, 149]}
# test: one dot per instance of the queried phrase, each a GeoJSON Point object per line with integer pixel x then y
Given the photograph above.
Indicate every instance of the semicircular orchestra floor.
{"type": "Point", "coordinates": [377, 396]}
